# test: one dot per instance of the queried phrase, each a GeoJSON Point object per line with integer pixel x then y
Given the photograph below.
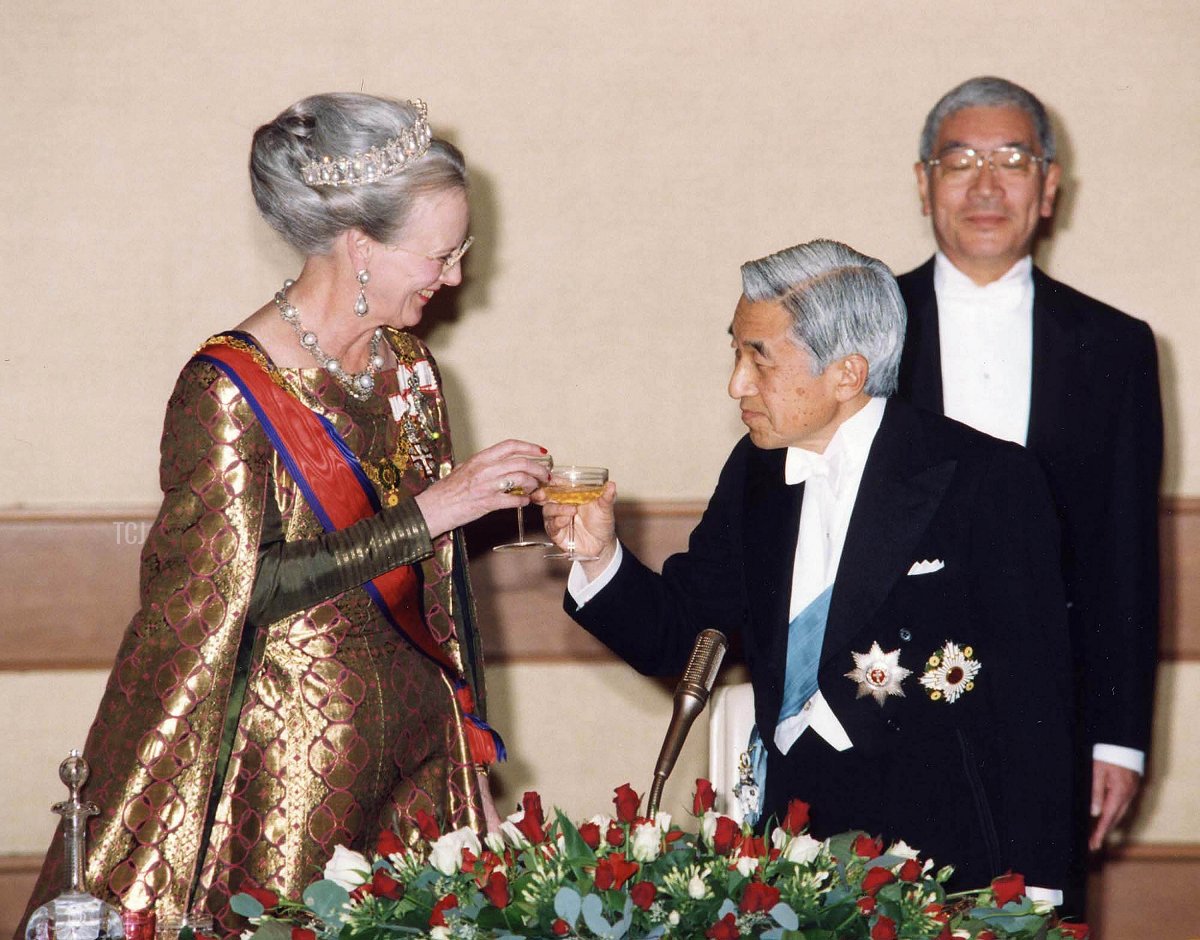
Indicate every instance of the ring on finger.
{"type": "Point", "coordinates": [507, 486]}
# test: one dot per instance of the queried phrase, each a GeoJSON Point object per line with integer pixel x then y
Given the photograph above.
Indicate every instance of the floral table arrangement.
{"type": "Point", "coordinates": [627, 876]}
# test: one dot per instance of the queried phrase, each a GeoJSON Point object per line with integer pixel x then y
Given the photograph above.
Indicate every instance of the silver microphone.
{"type": "Point", "coordinates": [691, 695]}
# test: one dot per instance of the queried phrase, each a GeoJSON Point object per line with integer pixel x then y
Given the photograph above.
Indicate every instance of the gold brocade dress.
{"type": "Point", "coordinates": [228, 755]}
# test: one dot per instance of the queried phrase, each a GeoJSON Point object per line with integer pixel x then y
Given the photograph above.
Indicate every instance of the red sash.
{"type": "Point", "coordinates": [332, 481]}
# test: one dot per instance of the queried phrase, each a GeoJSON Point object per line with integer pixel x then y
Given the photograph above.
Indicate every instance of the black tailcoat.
{"type": "Point", "coordinates": [984, 782]}
{"type": "Point", "coordinates": [1095, 426]}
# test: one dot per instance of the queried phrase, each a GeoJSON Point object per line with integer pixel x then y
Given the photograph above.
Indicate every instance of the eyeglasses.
{"type": "Point", "coordinates": [964, 162]}
{"type": "Point", "coordinates": [449, 260]}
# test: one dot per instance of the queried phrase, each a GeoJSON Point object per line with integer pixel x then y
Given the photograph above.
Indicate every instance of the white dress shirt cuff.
{"type": "Point", "coordinates": [581, 589]}
{"type": "Point", "coordinates": [1128, 757]}
{"type": "Point", "coordinates": [1049, 895]}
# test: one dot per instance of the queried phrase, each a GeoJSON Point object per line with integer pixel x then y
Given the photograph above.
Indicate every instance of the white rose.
{"type": "Point", "coordinates": [779, 838]}
{"type": "Point", "coordinates": [645, 842]}
{"type": "Point", "coordinates": [603, 822]}
{"type": "Point", "coordinates": [673, 918]}
{"type": "Point", "coordinates": [513, 835]}
{"type": "Point", "coordinates": [746, 864]}
{"type": "Point", "coordinates": [696, 888]}
{"type": "Point", "coordinates": [708, 826]}
{"type": "Point", "coordinates": [495, 842]}
{"type": "Point", "coordinates": [439, 933]}
{"type": "Point", "coordinates": [348, 868]}
{"type": "Point", "coordinates": [446, 853]}
{"type": "Point", "coordinates": [902, 849]}
{"type": "Point", "coordinates": [663, 821]}
{"type": "Point", "coordinates": [802, 849]}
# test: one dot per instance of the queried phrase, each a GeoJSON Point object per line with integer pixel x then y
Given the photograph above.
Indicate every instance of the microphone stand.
{"type": "Point", "coordinates": [691, 695]}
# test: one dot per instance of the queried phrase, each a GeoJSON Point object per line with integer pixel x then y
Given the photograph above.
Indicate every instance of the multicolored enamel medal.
{"type": "Point", "coordinates": [411, 408]}
{"type": "Point", "coordinates": [950, 672]}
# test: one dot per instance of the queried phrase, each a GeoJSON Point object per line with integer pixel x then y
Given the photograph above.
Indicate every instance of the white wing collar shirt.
{"type": "Point", "coordinates": [831, 482]}
{"type": "Point", "coordinates": [986, 339]}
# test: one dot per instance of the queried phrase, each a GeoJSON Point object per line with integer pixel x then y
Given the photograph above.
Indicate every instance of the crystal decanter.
{"type": "Point", "coordinates": [75, 914]}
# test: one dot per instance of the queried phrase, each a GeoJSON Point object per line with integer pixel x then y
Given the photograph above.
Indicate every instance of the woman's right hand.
{"type": "Point", "coordinates": [483, 484]}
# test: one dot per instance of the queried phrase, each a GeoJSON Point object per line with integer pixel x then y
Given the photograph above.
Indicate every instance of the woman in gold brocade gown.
{"type": "Point", "coordinates": [302, 669]}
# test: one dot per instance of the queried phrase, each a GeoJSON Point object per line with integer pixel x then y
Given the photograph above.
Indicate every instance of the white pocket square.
{"type": "Point", "coordinates": [927, 567]}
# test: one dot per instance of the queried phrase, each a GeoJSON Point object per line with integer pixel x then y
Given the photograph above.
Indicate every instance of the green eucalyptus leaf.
{"type": "Point", "coordinates": [247, 906]}
{"type": "Point", "coordinates": [327, 900]}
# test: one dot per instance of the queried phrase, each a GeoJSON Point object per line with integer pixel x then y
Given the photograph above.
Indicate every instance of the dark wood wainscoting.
{"type": "Point", "coordinates": [69, 583]}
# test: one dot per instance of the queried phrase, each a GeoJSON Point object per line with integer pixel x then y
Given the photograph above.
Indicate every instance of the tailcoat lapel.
{"type": "Point", "coordinates": [921, 361]}
{"type": "Point", "coordinates": [1056, 368]}
{"type": "Point", "coordinates": [772, 524]}
{"type": "Point", "coordinates": [897, 498]}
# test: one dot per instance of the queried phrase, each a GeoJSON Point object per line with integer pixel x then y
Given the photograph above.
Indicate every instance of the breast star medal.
{"type": "Point", "coordinates": [950, 672]}
{"type": "Point", "coordinates": [878, 674]}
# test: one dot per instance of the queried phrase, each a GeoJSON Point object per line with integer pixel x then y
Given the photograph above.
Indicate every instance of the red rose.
{"type": "Point", "coordinates": [389, 843]}
{"type": "Point", "coordinates": [758, 897]}
{"type": "Point", "coordinates": [615, 836]}
{"type": "Point", "coordinates": [531, 823]}
{"type": "Point", "coordinates": [944, 933]}
{"type": "Point", "coordinates": [627, 802]}
{"type": "Point", "coordinates": [613, 871]}
{"type": "Point", "coordinates": [726, 835]}
{"type": "Point", "coordinates": [436, 917]}
{"type": "Point", "coordinates": [467, 864]}
{"type": "Point", "coordinates": [1075, 931]}
{"type": "Point", "coordinates": [910, 870]}
{"type": "Point", "coordinates": [268, 899]}
{"type": "Point", "coordinates": [876, 878]}
{"type": "Point", "coordinates": [703, 801]}
{"type": "Point", "coordinates": [1007, 888]}
{"type": "Point", "coordinates": [590, 833]}
{"type": "Point", "coordinates": [866, 906]}
{"type": "Point", "coordinates": [985, 935]}
{"type": "Point", "coordinates": [427, 825]}
{"type": "Point", "coordinates": [643, 894]}
{"type": "Point", "coordinates": [884, 929]}
{"type": "Point", "coordinates": [936, 912]}
{"type": "Point", "coordinates": [724, 929]}
{"type": "Point", "coordinates": [797, 817]}
{"type": "Point", "coordinates": [560, 928]}
{"type": "Point", "coordinates": [384, 885]}
{"type": "Point", "coordinates": [496, 889]}
{"type": "Point", "coordinates": [866, 847]}
{"type": "Point", "coordinates": [752, 847]}
{"type": "Point", "coordinates": [303, 933]}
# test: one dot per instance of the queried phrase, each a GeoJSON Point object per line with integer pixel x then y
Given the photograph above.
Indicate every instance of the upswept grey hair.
{"type": "Point", "coordinates": [336, 124]}
{"type": "Point", "coordinates": [841, 302]}
{"type": "Point", "coordinates": [987, 91]}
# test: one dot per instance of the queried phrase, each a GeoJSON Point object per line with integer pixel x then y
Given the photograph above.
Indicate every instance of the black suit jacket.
{"type": "Point", "coordinates": [1095, 426]}
{"type": "Point", "coordinates": [983, 783]}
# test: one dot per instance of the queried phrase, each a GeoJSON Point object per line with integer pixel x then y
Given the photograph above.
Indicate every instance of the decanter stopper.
{"type": "Point", "coordinates": [75, 914]}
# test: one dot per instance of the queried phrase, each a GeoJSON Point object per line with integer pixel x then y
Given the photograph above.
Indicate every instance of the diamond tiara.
{"type": "Point", "coordinates": [380, 162]}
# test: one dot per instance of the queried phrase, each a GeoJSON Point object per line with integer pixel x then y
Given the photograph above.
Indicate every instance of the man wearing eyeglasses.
{"type": "Point", "coordinates": [999, 345]}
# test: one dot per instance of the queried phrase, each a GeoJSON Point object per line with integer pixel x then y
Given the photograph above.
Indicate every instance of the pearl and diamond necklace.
{"type": "Point", "coordinates": [358, 384]}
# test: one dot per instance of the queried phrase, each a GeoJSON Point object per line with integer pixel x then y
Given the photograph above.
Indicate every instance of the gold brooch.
{"type": "Point", "coordinates": [950, 672]}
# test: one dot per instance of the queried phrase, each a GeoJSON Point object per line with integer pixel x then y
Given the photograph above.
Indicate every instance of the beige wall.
{"type": "Point", "coordinates": [627, 157]}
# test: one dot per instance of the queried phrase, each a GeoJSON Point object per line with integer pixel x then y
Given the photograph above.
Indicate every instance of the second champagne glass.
{"type": "Point", "coordinates": [574, 486]}
{"type": "Point", "coordinates": [523, 541]}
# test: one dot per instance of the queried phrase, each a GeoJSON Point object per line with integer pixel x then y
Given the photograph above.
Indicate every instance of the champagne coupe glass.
{"type": "Point", "coordinates": [524, 541]}
{"type": "Point", "coordinates": [574, 486]}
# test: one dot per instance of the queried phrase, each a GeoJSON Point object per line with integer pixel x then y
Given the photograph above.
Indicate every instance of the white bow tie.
{"type": "Point", "coordinates": [802, 465]}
